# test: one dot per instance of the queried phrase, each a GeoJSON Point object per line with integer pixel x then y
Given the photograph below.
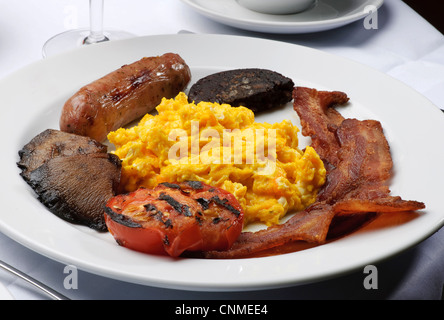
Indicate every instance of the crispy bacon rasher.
{"type": "Point", "coordinates": [359, 165]}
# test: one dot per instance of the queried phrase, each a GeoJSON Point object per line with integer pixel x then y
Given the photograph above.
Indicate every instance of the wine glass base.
{"type": "Point", "coordinates": [73, 39]}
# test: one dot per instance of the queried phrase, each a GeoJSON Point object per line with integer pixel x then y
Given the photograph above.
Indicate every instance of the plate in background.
{"type": "Point", "coordinates": [324, 15]}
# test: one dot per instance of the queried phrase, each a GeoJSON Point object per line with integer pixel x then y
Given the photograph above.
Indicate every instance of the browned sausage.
{"type": "Point", "coordinates": [124, 95]}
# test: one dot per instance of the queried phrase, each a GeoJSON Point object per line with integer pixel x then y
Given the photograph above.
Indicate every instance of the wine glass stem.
{"type": "Point", "coordinates": [96, 22]}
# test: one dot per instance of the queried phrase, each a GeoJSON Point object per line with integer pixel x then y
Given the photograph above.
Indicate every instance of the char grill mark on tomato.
{"type": "Point", "coordinates": [205, 203]}
{"type": "Point", "coordinates": [195, 184]}
{"type": "Point", "coordinates": [154, 212]}
{"type": "Point", "coordinates": [121, 219]}
{"type": "Point", "coordinates": [175, 217]}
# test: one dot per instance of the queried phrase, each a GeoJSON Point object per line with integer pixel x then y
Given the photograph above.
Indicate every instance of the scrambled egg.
{"type": "Point", "coordinates": [217, 144]}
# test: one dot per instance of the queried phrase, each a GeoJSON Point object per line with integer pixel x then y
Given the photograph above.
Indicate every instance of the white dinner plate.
{"type": "Point", "coordinates": [33, 97]}
{"type": "Point", "coordinates": [323, 15]}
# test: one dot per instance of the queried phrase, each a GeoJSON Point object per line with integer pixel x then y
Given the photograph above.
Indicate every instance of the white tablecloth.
{"type": "Point", "coordinates": [404, 46]}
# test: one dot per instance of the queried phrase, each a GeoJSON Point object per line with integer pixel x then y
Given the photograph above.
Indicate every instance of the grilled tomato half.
{"type": "Point", "coordinates": [175, 217]}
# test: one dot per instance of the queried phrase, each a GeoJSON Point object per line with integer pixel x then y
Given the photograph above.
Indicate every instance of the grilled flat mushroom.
{"type": "Point", "coordinates": [54, 143]}
{"type": "Point", "coordinates": [76, 188]}
{"type": "Point", "coordinates": [256, 89]}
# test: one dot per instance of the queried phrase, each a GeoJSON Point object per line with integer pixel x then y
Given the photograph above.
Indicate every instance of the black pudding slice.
{"type": "Point", "coordinates": [256, 89]}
